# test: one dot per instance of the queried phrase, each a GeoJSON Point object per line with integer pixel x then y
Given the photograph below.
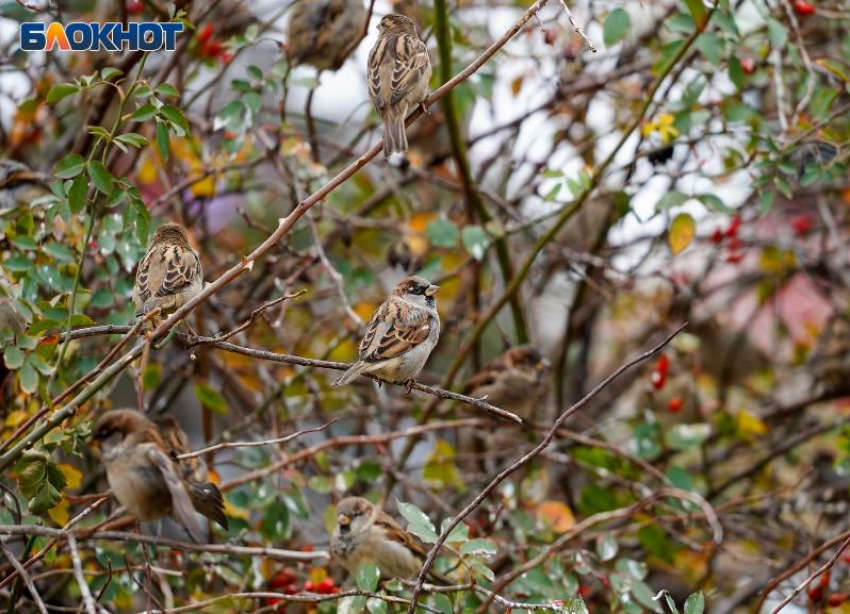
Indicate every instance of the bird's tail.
{"type": "Point", "coordinates": [207, 500]}
{"type": "Point", "coordinates": [350, 375]}
{"type": "Point", "coordinates": [395, 136]}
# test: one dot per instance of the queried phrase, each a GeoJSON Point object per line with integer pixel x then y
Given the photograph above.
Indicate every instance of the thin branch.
{"type": "Point", "coordinates": [76, 561]}
{"type": "Point", "coordinates": [254, 444]}
{"type": "Point", "coordinates": [269, 553]}
{"type": "Point", "coordinates": [823, 568]}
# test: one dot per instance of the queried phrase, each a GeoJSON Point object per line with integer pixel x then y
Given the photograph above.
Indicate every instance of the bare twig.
{"type": "Point", "coordinates": [254, 444]}
{"type": "Point", "coordinates": [76, 561]}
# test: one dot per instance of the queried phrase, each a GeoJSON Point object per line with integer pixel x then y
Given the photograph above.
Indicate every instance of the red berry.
{"type": "Point", "coordinates": [748, 65]}
{"type": "Point", "coordinates": [675, 405]}
{"type": "Point", "coordinates": [309, 586]}
{"type": "Point", "coordinates": [824, 580]}
{"type": "Point", "coordinates": [662, 365]}
{"type": "Point", "coordinates": [836, 599]}
{"type": "Point", "coordinates": [717, 236]}
{"type": "Point", "coordinates": [803, 8]}
{"type": "Point", "coordinates": [658, 380]}
{"type": "Point", "coordinates": [815, 594]}
{"type": "Point", "coordinates": [225, 57]}
{"type": "Point", "coordinates": [307, 548]}
{"type": "Point", "coordinates": [134, 7]}
{"type": "Point", "coordinates": [205, 33]}
{"type": "Point", "coordinates": [734, 258]}
{"type": "Point", "coordinates": [801, 224]}
{"type": "Point", "coordinates": [734, 225]}
{"type": "Point", "coordinates": [325, 586]}
{"type": "Point", "coordinates": [549, 37]}
{"type": "Point", "coordinates": [584, 590]}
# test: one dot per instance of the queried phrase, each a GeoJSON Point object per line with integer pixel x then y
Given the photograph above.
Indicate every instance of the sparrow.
{"type": "Point", "coordinates": [323, 33]}
{"type": "Point", "coordinates": [169, 274]}
{"type": "Point", "coordinates": [516, 381]}
{"type": "Point", "coordinates": [399, 70]}
{"type": "Point", "coordinates": [400, 336]}
{"type": "Point", "coordinates": [19, 185]}
{"type": "Point", "coordinates": [364, 533]}
{"type": "Point", "coordinates": [145, 476]}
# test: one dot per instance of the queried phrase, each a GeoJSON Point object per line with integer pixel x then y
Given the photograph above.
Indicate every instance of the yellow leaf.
{"type": "Point", "coordinates": [16, 418]}
{"type": "Point", "coordinates": [73, 476]}
{"type": "Point", "coordinates": [236, 512]}
{"type": "Point", "coordinates": [682, 231]}
{"type": "Point", "coordinates": [205, 187]}
{"type": "Point", "coordinates": [61, 513]}
{"type": "Point", "coordinates": [147, 170]}
{"type": "Point", "coordinates": [749, 424]}
{"type": "Point", "coordinates": [558, 514]}
{"type": "Point", "coordinates": [516, 85]}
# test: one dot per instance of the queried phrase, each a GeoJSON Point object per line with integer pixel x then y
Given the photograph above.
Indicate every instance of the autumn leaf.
{"type": "Point", "coordinates": [682, 231]}
{"type": "Point", "coordinates": [557, 514]}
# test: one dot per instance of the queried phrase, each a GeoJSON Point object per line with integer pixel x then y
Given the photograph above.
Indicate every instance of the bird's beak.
{"type": "Point", "coordinates": [343, 520]}
{"type": "Point", "coordinates": [544, 364]}
{"type": "Point", "coordinates": [432, 290]}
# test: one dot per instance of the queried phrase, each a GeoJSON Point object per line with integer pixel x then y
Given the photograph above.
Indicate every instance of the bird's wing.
{"type": "Point", "coordinates": [375, 64]}
{"type": "Point", "coordinates": [486, 376]}
{"type": "Point", "coordinates": [142, 289]}
{"type": "Point", "coordinates": [395, 328]}
{"type": "Point", "coordinates": [181, 503]}
{"type": "Point", "coordinates": [395, 533]}
{"type": "Point", "coordinates": [411, 64]}
{"type": "Point", "coordinates": [182, 269]}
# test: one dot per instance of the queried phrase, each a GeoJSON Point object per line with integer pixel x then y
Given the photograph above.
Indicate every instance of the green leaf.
{"type": "Point", "coordinates": [376, 606]}
{"type": "Point", "coordinates": [442, 233]}
{"type": "Point", "coordinates": [368, 575]}
{"type": "Point", "coordinates": [166, 89]}
{"type": "Point", "coordinates": [616, 26]}
{"type": "Point", "coordinates": [687, 436]}
{"type": "Point", "coordinates": [479, 546]}
{"type": "Point", "coordinates": [143, 113]}
{"type": "Point", "coordinates": [682, 232]}
{"type": "Point", "coordinates": [28, 377]}
{"type": "Point", "coordinates": [695, 604]}
{"type": "Point", "coordinates": [607, 547]}
{"type": "Point", "coordinates": [698, 11]}
{"type": "Point", "coordinates": [671, 199]}
{"type": "Point", "coordinates": [839, 69]}
{"type": "Point", "coordinates": [644, 595]}
{"type": "Point", "coordinates": [100, 176]}
{"type": "Point", "coordinates": [777, 33]}
{"type": "Point", "coordinates": [712, 47]}
{"type": "Point", "coordinates": [59, 251]}
{"type": "Point", "coordinates": [133, 139]}
{"type": "Point", "coordinates": [42, 482]}
{"type": "Point", "coordinates": [69, 167]}
{"type": "Point", "coordinates": [671, 603]}
{"type": "Point", "coordinates": [443, 603]}
{"type": "Point", "coordinates": [60, 91]}
{"type": "Point", "coordinates": [175, 116]}
{"type": "Point", "coordinates": [475, 240]}
{"type": "Point", "coordinates": [13, 358]}
{"type": "Point", "coordinates": [714, 203]}
{"type": "Point", "coordinates": [736, 72]}
{"type": "Point", "coordinates": [110, 71]}
{"type": "Point", "coordinates": [210, 398]}
{"type": "Point", "coordinates": [417, 522]}
{"type": "Point", "coordinates": [77, 194]}
{"type": "Point", "coordinates": [162, 140]}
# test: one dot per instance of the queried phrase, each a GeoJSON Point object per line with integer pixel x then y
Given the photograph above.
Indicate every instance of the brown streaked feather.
{"type": "Point", "coordinates": [181, 504]}
{"type": "Point", "coordinates": [397, 534]}
{"type": "Point", "coordinates": [406, 328]}
{"type": "Point", "coordinates": [411, 62]}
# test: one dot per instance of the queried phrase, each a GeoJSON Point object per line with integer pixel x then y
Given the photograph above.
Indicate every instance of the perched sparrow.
{"type": "Point", "coordinates": [399, 70]}
{"type": "Point", "coordinates": [366, 534]}
{"type": "Point", "coordinates": [169, 274]}
{"type": "Point", "coordinates": [144, 476]}
{"type": "Point", "coordinates": [400, 336]}
{"type": "Point", "coordinates": [19, 185]}
{"type": "Point", "coordinates": [323, 33]}
{"type": "Point", "coordinates": [516, 381]}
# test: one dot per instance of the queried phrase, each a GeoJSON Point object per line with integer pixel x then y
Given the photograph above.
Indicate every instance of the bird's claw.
{"type": "Point", "coordinates": [409, 385]}
{"type": "Point", "coordinates": [425, 109]}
